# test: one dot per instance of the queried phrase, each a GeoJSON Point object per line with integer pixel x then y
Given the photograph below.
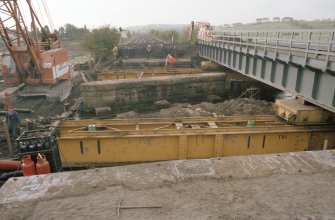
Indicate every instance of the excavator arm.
{"type": "Point", "coordinates": [204, 29]}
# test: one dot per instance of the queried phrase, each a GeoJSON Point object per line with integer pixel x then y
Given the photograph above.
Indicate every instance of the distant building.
{"type": "Point", "coordinates": [259, 20]}
{"type": "Point", "coordinates": [265, 20]}
{"type": "Point", "coordinates": [287, 19]}
{"type": "Point", "coordinates": [276, 19]}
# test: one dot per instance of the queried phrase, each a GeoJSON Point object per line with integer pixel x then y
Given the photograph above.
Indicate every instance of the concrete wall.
{"type": "Point", "coordinates": [134, 94]}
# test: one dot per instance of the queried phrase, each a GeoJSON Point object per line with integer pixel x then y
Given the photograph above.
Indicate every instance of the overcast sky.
{"type": "Point", "coordinates": [141, 12]}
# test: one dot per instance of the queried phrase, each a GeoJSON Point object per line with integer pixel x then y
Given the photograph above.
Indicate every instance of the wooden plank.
{"type": "Point", "coordinates": [179, 125]}
{"type": "Point", "coordinates": [212, 124]}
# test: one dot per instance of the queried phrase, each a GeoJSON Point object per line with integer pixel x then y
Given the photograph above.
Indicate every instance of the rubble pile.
{"type": "Point", "coordinates": [244, 106]}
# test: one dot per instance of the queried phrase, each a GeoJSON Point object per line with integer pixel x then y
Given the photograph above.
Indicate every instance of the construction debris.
{"type": "Point", "coordinates": [162, 103]}
{"type": "Point", "coordinates": [103, 111]}
{"type": "Point", "coordinates": [247, 106]}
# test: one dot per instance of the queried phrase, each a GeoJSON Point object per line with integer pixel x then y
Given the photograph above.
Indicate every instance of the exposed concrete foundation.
{"type": "Point", "coordinates": [275, 186]}
{"type": "Point", "coordinates": [130, 94]}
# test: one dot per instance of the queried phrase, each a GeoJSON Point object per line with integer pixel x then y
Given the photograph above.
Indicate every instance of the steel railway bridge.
{"type": "Point", "coordinates": [301, 62]}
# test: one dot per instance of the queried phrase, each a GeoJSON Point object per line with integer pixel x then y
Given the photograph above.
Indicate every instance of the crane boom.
{"type": "Point", "coordinates": [37, 55]}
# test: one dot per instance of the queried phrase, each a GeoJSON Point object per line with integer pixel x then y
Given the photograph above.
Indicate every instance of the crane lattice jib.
{"type": "Point", "coordinates": [16, 37]}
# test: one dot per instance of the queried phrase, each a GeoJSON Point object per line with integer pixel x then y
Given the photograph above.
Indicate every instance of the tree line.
{"type": "Point", "coordinates": [100, 41]}
{"type": "Point", "coordinates": [71, 32]}
{"type": "Point", "coordinates": [172, 36]}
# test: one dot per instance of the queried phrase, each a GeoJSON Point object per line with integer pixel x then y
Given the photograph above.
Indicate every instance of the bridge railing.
{"type": "Point", "coordinates": [309, 42]}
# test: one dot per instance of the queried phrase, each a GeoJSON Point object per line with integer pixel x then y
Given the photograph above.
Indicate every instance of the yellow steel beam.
{"type": "Point", "coordinates": [182, 147]}
{"type": "Point", "coordinates": [165, 123]}
{"type": "Point", "coordinates": [218, 144]}
{"type": "Point", "coordinates": [298, 113]}
{"type": "Point", "coordinates": [142, 141]}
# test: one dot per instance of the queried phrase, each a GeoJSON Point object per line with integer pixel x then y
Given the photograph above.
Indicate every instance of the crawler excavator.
{"type": "Point", "coordinates": [36, 58]}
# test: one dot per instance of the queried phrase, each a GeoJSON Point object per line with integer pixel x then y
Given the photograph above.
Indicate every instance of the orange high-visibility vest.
{"type": "Point", "coordinates": [172, 60]}
{"type": "Point", "coordinates": [8, 102]}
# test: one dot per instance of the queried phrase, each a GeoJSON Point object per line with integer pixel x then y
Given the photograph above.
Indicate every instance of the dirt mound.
{"type": "Point", "coordinates": [244, 106]}
{"type": "Point", "coordinates": [183, 111]}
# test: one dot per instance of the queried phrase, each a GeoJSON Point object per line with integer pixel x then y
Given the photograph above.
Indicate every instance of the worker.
{"type": "Point", "coordinates": [148, 50]}
{"type": "Point", "coordinates": [162, 50]}
{"type": "Point", "coordinates": [13, 122]}
{"type": "Point", "coordinates": [115, 53]}
{"type": "Point", "coordinates": [7, 100]}
{"type": "Point", "coordinates": [66, 106]}
{"type": "Point", "coordinates": [125, 52]}
{"type": "Point", "coordinates": [170, 59]}
{"type": "Point", "coordinates": [175, 51]}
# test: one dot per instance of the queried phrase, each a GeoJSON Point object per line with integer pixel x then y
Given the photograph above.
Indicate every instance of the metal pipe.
{"type": "Point", "coordinates": [6, 176]}
{"type": "Point", "coordinates": [325, 144]}
{"type": "Point", "coordinates": [8, 165]}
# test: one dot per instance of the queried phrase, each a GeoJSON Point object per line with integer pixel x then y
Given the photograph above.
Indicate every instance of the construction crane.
{"type": "Point", "coordinates": [36, 56]}
{"type": "Point", "coordinates": [205, 29]}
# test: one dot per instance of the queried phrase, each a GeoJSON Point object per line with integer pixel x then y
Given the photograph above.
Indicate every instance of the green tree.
{"type": "Point", "coordinates": [72, 31]}
{"type": "Point", "coordinates": [61, 31]}
{"type": "Point", "coordinates": [172, 36]}
{"type": "Point", "coordinates": [100, 41]}
{"type": "Point", "coordinates": [178, 36]}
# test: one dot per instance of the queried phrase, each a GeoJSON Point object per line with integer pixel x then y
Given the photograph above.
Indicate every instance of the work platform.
{"type": "Point", "coordinates": [103, 142]}
{"type": "Point", "coordinates": [276, 186]}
